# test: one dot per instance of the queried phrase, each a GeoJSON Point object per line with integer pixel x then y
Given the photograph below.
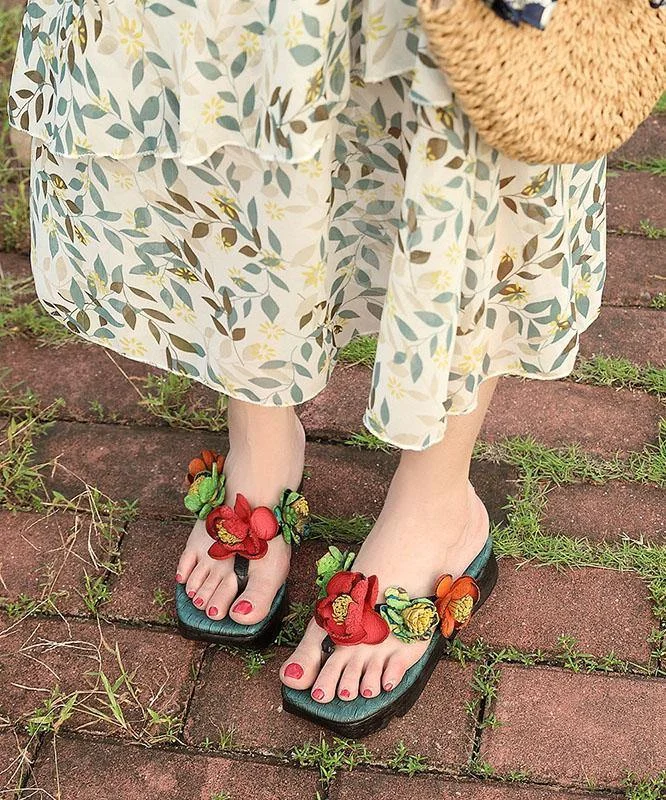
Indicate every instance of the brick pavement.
{"type": "Point", "coordinates": [554, 692]}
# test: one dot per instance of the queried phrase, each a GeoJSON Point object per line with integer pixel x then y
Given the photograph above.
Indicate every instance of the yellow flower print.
{"type": "Point", "coordinates": [49, 225]}
{"type": "Point", "coordinates": [95, 282]}
{"type": "Point", "coordinates": [48, 51]}
{"type": "Point", "coordinates": [186, 274]}
{"type": "Point", "coordinates": [131, 36]}
{"type": "Point", "coordinates": [184, 312]}
{"type": "Point", "coordinates": [369, 126]}
{"type": "Point", "coordinates": [271, 331]}
{"type": "Point", "coordinates": [82, 144]}
{"type": "Point", "coordinates": [440, 358]}
{"type": "Point", "coordinates": [314, 275]}
{"type": "Point", "coordinates": [260, 351]}
{"type": "Point", "coordinates": [397, 189]}
{"type": "Point", "coordinates": [157, 278]}
{"type": "Point", "coordinates": [395, 388]}
{"type": "Point", "coordinates": [515, 294]}
{"type": "Point", "coordinates": [315, 86]}
{"type": "Point", "coordinates": [433, 190]}
{"type": "Point", "coordinates": [471, 361]}
{"type": "Point", "coordinates": [312, 168]}
{"type": "Point", "coordinates": [293, 35]}
{"type": "Point", "coordinates": [375, 27]}
{"type": "Point", "coordinates": [235, 274]}
{"type": "Point", "coordinates": [271, 259]}
{"type": "Point", "coordinates": [561, 323]}
{"type": "Point", "coordinates": [80, 235]}
{"type": "Point", "coordinates": [410, 21]}
{"type": "Point", "coordinates": [102, 102]}
{"type": "Point", "coordinates": [582, 286]}
{"type": "Point", "coordinates": [249, 43]}
{"type": "Point", "coordinates": [186, 33]}
{"type": "Point", "coordinates": [453, 253]}
{"type": "Point", "coordinates": [536, 184]}
{"type": "Point", "coordinates": [211, 110]}
{"type": "Point", "coordinates": [124, 180]}
{"type": "Point", "coordinates": [227, 204]}
{"type": "Point", "coordinates": [274, 210]}
{"type": "Point", "coordinates": [133, 346]}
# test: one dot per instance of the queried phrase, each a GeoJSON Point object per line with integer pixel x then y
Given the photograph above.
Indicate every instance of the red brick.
{"type": "Point", "coordinates": [48, 555]}
{"type": "Point", "coordinates": [603, 610]}
{"type": "Point", "coordinates": [361, 785]}
{"type": "Point", "coordinates": [438, 727]}
{"type": "Point", "coordinates": [337, 411]}
{"type": "Point", "coordinates": [571, 727]}
{"type": "Point", "coordinates": [148, 464]}
{"type": "Point", "coordinates": [636, 272]}
{"type": "Point", "coordinates": [633, 197]}
{"type": "Point", "coordinates": [635, 333]}
{"type": "Point", "coordinates": [38, 655]}
{"type": "Point", "coordinates": [649, 141]}
{"type": "Point", "coordinates": [557, 413]}
{"type": "Point", "coordinates": [608, 512]}
{"type": "Point", "coordinates": [15, 755]}
{"type": "Point", "coordinates": [88, 770]}
{"type": "Point", "coordinates": [16, 266]}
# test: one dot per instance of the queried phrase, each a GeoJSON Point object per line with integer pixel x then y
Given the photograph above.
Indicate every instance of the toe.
{"type": "Point", "coordinates": [186, 563]}
{"type": "Point", "coordinates": [302, 667]}
{"type": "Point", "coordinates": [371, 680]}
{"type": "Point", "coordinates": [395, 669]}
{"type": "Point", "coordinates": [222, 597]}
{"type": "Point", "coordinates": [196, 579]}
{"type": "Point", "coordinates": [255, 602]}
{"type": "Point", "coordinates": [348, 685]}
{"type": "Point", "coordinates": [326, 684]}
{"type": "Point", "coordinates": [213, 580]}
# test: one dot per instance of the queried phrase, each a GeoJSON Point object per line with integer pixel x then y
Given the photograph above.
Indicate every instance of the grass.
{"type": "Point", "coordinates": [341, 754]}
{"type": "Point", "coordinates": [660, 108]}
{"type": "Point", "coordinates": [653, 165]}
{"type": "Point", "coordinates": [637, 788]}
{"type": "Point", "coordinates": [620, 373]}
{"type": "Point", "coordinates": [651, 231]}
{"type": "Point", "coordinates": [405, 762]}
{"type": "Point", "coordinates": [361, 350]}
{"type": "Point", "coordinates": [167, 398]}
{"type": "Point", "coordinates": [658, 301]}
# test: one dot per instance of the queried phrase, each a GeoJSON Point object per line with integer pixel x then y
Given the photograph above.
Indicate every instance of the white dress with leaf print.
{"type": "Point", "coordinates": [232, 189]}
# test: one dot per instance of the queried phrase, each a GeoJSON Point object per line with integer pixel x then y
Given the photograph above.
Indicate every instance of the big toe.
{"type": "Point", "coordinates": [302, 667]}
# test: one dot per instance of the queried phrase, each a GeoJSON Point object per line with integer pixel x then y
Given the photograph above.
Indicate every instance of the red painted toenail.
{"type": "Point", "coordinates": [318, 694]}
{"type": "Point", "coordinates": [212, 611]}
{"type": "Point", "coordinates": [179, 577]}
{"type": "Point", "coordinates": [388, 687]}
{"type": "Point", "coordinates": [243, 607]}
{"type": "Point", "coordinates": [367, 693]}
{"type": "Point", "coordinates": [344, 693]}
{"type": "Point", "coordinates": [198, 601]}
{"type": "Point", "coordinates": [293, 670]}
{"type": "Point", "coordinates": [190, 594]}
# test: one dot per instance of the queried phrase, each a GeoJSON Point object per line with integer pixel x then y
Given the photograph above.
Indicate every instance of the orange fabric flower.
{"type": "Point", "coordinates": [454, 602]}
{"type": "Point", "coordinates": [204, 463]}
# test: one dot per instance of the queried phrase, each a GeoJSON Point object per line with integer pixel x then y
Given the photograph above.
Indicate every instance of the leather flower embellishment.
{"type": "Point", "coordinates": [347, 613]}
{"type": "Point", "coordinates": [409, 620]}
{"type": "Point", "coordinates": [293, 514]}
{"type": "Point", "coordinates": [206, 491]}
{"type": "Point", "coordinates": [241, 530]}
{"type": "Point", "coordinates": [455, 600]}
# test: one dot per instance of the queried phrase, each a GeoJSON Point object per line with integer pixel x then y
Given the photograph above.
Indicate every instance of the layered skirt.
{"type": "Point", "coordinates": [233, 190]}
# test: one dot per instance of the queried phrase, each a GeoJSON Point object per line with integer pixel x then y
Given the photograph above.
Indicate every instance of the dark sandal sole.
{"type": "Point", "coordinates": [375, 713]}
{"type": "Point", "coordinates": [195, 624]}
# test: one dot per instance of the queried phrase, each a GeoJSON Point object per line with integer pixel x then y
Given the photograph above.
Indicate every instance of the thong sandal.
{"type": "Point", "coordinates": [241, 533]}
{"type": "Point", "coordinates": [348, 612]}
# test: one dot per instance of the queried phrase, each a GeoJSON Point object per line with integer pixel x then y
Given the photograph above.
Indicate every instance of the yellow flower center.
{"type": "Point", "coordinates": [341, 608]}
{"type": "Point", "coordinates": [225, 536]}
{"type": "Point", "coordinates": [418, 618]}
{"type": "Point", "coordinates": [461, 610]}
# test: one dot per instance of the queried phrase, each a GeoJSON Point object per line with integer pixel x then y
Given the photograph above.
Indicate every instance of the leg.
{"type": "Point", "coordinates": [266, 453]}
{"type": "Point", "coordinates": [432, 522]}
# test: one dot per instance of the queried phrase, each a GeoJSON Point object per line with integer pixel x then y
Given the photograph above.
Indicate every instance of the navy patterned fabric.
{"type": "Point", "coordinates": [534, 12]}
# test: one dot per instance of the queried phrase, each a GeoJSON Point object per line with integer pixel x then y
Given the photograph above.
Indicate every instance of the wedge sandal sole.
{"type": "Point", "coordinates": [362, 716]}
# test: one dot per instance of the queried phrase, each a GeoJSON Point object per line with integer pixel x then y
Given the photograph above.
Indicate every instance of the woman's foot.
{"type": "Point", "coordinates": [423, 531]}
{"type": "Point", "coordinates": [266, 455]}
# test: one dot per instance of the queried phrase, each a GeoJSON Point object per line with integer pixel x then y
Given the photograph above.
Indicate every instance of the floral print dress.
{"type": "Point", "coordinates": [233, 190]}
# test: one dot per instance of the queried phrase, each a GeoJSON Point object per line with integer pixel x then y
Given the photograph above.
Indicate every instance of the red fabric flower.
{"type": "Point", "coordinates": [347, 613]}
{"type": "Point", "coordinates": [204, 463]}
{"type": "Point", "coordinates": [240, 530]}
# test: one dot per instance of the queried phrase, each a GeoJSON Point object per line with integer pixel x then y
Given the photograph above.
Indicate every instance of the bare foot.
{"type": "Point", "coordinates": [412, 543]}
{"type": "Point", "coordinates": [266, 454]}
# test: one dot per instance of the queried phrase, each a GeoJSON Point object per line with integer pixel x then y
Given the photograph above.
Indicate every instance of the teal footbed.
{"type": "Point", "coordinates": [197, 619]}
{"type": "Point", "coordinates": [344, 711]}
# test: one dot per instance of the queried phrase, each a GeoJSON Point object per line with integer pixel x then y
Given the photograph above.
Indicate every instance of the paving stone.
{"type": "Point", "coordinates": [638, 334]}
{"type": "Point", "coordinates": [633, 197]}
{"type": "Point", "coordinates": [532, 605]}
{"type": "Point", "coordinates": [649, 141]}
{"type": "Point", "coordinates": [607, 512]}
{"type": "Point", "coordinates": [437, 727]}
{"type": "Point", "coordinates": [148, 464]}
{"type": "Point", "coordinates": [636, 271]}
{"type": "Point", "coordinates": [569, 728]}
{"type": "Point", "coordinates": [48, 556]}
{"type": "Point", "coordinates": [365, 785]}
{"type": "Point", "coordinates": [556, 413]}
{"type": "Point", "coordinates": [15, 753]}
{"type": "Point", "coordinates": [36, 656]}
{"type": "Point", "coordinates": [337, 411]}
{"type": "Point", "coordinates": [88, 770]}
{"type": "Point", "coordinates": [16, 266]}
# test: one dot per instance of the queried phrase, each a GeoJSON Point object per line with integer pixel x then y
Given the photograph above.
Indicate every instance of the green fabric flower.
{"type": "Point", "coordinates": [410, 620]}
{"type": "Point", "coordinates": [332, 562]}
{"type": "Point", "coordinates": [293, 515]}
{"type": "Point", "coordinates": [205, 493]}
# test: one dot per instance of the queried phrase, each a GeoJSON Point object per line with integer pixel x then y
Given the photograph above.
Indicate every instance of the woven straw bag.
{"type": "Point", "coordinates": [567, 94]}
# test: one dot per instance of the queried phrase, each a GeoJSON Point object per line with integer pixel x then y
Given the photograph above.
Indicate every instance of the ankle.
{"type": "Point", "coordinates": [252, 425]}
